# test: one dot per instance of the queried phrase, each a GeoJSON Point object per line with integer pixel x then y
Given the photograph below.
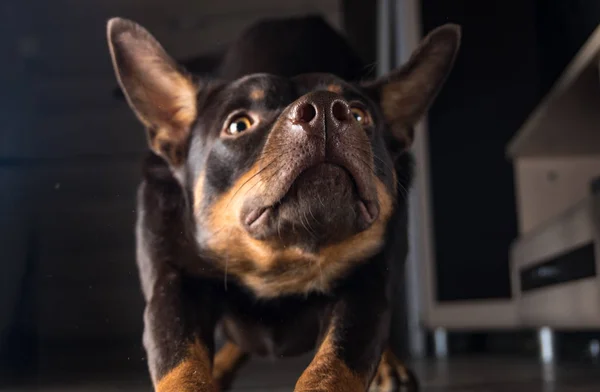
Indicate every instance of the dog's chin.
{"type": "Point", "coordinates": [321, 207]}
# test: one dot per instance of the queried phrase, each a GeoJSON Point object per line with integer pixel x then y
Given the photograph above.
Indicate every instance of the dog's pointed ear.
{"type": "Point", "coordinates": [406, 93]}
{"type": "Point", "coordinates": [160, 92]}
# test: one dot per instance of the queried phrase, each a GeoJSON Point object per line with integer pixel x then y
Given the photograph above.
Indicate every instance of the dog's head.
{"type": "Point", "coordinates": [291, 169]}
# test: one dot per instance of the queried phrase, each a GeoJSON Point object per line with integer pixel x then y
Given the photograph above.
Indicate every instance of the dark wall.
{"type": "Point", "coordinates": [487, 97]}
{"type": "Point", "coordinates": [360, 29]}
{"type": "Point", "coordinates": [563, 27]}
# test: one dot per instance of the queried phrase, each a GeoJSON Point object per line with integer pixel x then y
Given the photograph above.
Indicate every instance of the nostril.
{"type": "Point", "coordinates": [340, 111]}
{"type": "Point", "coordinates": [305, 113]}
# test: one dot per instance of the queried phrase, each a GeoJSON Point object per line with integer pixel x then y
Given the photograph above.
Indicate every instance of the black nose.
{"type": "Point", "coordinates": [320, 110]}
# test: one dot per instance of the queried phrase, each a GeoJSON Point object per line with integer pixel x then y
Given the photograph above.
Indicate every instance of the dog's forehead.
{"type": "Point", "coordinates": [259, 90]}
{"type": "Point", "coordinates": [258, 79]}
{"type": "Point", "coordinates": [321, 81]}
{"type": "Point", "coordinates": [263, 86]}
{"type": "Point", "coordinates": [264, 82]}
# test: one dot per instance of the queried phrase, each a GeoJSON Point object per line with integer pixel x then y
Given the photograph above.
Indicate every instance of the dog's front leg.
{"type": "Point", "coordinates": [353, 343]}
{"type": "Point", "coordinates": [178, 334]}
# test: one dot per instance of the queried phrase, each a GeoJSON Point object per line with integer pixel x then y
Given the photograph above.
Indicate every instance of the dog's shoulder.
{"type": "Point", "coordinates": [161, 203]}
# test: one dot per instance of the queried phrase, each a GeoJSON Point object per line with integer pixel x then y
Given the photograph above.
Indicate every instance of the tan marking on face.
{"type": "Point", "coordinates": [335, 88]}
{"type": "Point", "coordinates": [193, 374]}
{"type": "Point", "coordinates": [257, 94]}
{"type": "Point", "coordinates": [316, 271]}
{"type": "Point", "coordinates": [327, 372]}
{"type": "Point", "coordinates": [223, 220]}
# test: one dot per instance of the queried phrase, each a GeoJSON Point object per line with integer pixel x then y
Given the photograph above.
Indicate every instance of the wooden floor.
{"type": "Point", "coordinates": [480, 374]}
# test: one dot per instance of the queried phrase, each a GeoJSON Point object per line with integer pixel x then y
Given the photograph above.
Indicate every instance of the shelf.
{"type": "Point", "coordinates": [569, 229]}
{"type": "Point", "coordinates": [567, 121]}
{"type": "Point", "coordinates": [554, 271]}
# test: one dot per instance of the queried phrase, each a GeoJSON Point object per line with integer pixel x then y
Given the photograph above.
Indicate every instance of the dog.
{"type": "Point", "coordinates": [273, 206]}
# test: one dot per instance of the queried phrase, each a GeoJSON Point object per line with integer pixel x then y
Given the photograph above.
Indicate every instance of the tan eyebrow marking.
{"type": "Point", "coordinates": [334, 88]}
{"type": "Point", "coordinates": [257, 94]}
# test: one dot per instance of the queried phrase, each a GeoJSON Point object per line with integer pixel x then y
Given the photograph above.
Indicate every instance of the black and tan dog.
{"type": "Point", "coordinates": [274, 207]}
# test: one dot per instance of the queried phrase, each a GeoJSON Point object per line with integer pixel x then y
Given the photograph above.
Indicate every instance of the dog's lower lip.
{"type": "Point", "coordinates": [255, 216]}
{"type": "Point", "coordinates": [368, 210]}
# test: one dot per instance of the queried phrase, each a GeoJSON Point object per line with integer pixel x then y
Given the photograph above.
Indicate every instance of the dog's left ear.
{"type": "Point", "coordinates": [405, 94]}
{"type": "Point", "coordinates": [160, 92]}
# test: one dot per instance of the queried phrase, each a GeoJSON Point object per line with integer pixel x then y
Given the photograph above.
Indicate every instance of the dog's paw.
{"type": "Point", "coordinates": [393, 376]}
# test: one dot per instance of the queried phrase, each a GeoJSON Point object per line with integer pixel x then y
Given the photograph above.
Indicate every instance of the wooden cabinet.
{"type": "Point", "coordinates": [556, 157]}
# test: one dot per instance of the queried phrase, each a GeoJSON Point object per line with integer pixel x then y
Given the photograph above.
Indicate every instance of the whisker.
{"type": "Point", "coordinates": [312, 215]}
{"type": "Point", "coordinates": [321, 200]}
{"type": "Point", "coordinates": [302, 217]}
{"type": "Point", "coordinates": [227, 255]}
{"type": "Point", "coordinates": [248, 180]}
{"type": "Point", "coordinates": [263, 157]}
{"type": "Point", "coordinates": [279, 229]}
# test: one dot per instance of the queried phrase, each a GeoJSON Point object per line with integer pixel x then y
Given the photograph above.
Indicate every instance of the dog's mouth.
{"type": "Point", "coordinates": [325, 202]}
{"type": "Point", "coordinates": [256, 217]}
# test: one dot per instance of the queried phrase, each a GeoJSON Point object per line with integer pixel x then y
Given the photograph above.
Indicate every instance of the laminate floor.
{"type": "Point", "coordinates": [479, 374]}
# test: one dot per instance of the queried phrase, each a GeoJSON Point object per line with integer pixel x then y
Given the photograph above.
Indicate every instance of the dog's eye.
{"type": "Point", "coordinates": [239, 124]}
{"type": "Point", "coordinates": [360, 115]}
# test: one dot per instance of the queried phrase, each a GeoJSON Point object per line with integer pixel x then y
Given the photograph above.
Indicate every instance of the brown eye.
{"type": "Point", "coordinates": [239, 124]}
{"type": "Point", "coordinates": [360, 116]}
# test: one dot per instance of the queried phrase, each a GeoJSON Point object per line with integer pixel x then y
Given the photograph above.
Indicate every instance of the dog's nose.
{"type": "Point", "coordinates": [320, 110]}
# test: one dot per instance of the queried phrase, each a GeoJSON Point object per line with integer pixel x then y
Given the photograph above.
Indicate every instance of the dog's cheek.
{"type": "Point", "coordinates": [216, 214]}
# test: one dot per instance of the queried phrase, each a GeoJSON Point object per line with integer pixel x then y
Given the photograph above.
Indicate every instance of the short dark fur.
{"type": "Point", "coordinates": [232, 227]}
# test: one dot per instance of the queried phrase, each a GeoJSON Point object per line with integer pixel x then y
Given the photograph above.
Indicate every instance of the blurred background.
{"type": "Point", "coordinates": [504, 210]}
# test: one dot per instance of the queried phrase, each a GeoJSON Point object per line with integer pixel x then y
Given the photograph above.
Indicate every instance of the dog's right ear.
{"type": "Point", "coordinates": [406, 93]}
{"type": "Point", "coordinates": [160, 92]}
